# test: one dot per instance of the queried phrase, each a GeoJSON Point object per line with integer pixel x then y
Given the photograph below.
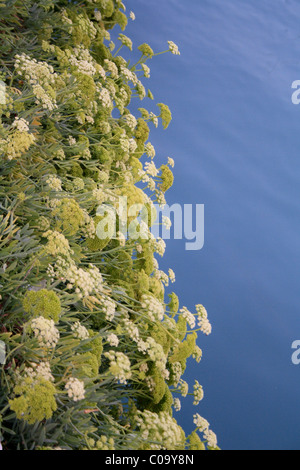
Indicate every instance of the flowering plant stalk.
{"type": "Point", "coordinates": [95, 353]}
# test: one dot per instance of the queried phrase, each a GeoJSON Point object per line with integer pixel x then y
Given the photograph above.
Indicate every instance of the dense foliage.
{"type": "Point", "coordinates": [95, 350]}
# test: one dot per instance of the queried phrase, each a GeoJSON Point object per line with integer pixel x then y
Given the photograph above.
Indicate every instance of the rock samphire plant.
{"type": "Point", "coordinates": [95, 348]}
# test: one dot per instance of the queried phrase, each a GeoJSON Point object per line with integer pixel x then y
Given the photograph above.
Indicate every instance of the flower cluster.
{"type": "Point", "coordinates": [188, 316]}
{"type": "Point", "coordinates": [155, 309]}
{"type": "Point", "coordinates": [173, 48]}
{"type": "Point", "coordinates": [203, 426]}
{"type": "Point", "coordinates": [42, 370]}
{"type": "Point", "coordinates": [80, 331]}
{"type": "Point", "coordinates": [45, 332]}
{"type": "Point", "coordinates": [160, 246]}
{"type": "Point", "coordinates": [203, 321]}
{"type": "Point", "coordinates": [198, 393]}
{"type": "Point", "coordinates": [41, 77]}
{"type": "Point", "coordinates": [108, 306]}
{"type": "Point", "coordinates": [177, 404]}
{"type": "Point", "coordinates": [120, 366]}
{"type": "Point", "coordinates": [57, 244]}
{"type": "Point", "coordinates": [126, 41]}
{"type": "Point", "coordinates": [83, 282]}
{"type": "Point", "coordinates": [75, 389]}
{"type": "Point", "coordinates": [21, 125]}
{"type": "Point", "coordinates": [160, 431]}
{"type": "Point", "coordinates": [112, 340]}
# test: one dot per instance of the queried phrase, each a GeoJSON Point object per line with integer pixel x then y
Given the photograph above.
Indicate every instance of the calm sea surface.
{"type": "Point", "coordinates": [235, 137]}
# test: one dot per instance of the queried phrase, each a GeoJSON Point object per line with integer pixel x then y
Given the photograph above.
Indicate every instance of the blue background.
{"type": "Point", "coordinates": [235, 139]}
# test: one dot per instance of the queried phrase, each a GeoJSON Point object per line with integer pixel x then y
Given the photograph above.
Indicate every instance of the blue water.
{"type": "Point", "coordinates": [235, 137]}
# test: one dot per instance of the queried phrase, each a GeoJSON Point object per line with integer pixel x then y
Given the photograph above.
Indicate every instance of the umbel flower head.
{"type": "Point", "coordinates": [45, 332]}
{"type": "Point", "coordinates": [75, 389]}
{"type": "Point", "coordinates": [173, 48]}
{"type": "Point", "coordinates": [35, 400]}
{"type": "Point", "coordinates": [42, 303]}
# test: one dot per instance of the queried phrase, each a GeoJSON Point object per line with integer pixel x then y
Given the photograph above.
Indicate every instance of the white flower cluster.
{"type": "Point", "coordinates": [131, 121]}
{"type": "Point", "coordinates": [211, 438]}
{"type": "Point", "coordinates": [121, 99]}
{"type": "Point", "coordinates": [113, 340]}
{"type": "Point", "coordinates": [154, 308]}
{"type": "Point", "coordinates": [197, 354]}
{"type": "Point", "coordinates": [57, 244]}
{"type": "Point", "coordinates": [188, 316]}
{"type": "Point", "coordinates": [75, 389]}
{"type": "Point", "coordinates": [151, 169]}
{"type": "Point", "coordinates": [21, 125]}
{"type": "Point", "coordinates": [42, 370]}
{"type": "Point", "coordinates": [198, 393]}
{"type": "Point", "coordinates": [119, 366]}
{"type": "Point", "coordinates": [150, 150]}
{"type": "Point", "coordinates": [203, 321]}
{"type": "Point", "coordinates": [40, 76]}
{"type": "Point", "coordinates": [173, 48]}
{"type": "Point", "coordinates": [83, 62]}
{"type": "Point", "coordinates": [162, 276]}
{"type": "Point", "coordinates": [183, 387]}
{"type": "Point", "coordinates": [203, 426]}
{"type": "Point", "coordinates": [201, 423]}
{"type": "Point", "coordinates": [130, 76]}
{"type": "Point", "coordinates": [132, 330]}
{"type": "Point", "coordinates": [112, 68]}
{"type": "Point", "coordinates": [155, 263]}
{"type": "Point", "coordinates": [146, 70]}
{"type": "Point", "coordinates": [167, 223]}
{"type": "Point", "coordinates": [132, 145]}
{"type": "Point", "coordinates": [45, 332]}
{"type": "Point", "coordinates": [177, 404]}
{"type": "Point", "coordinates": [160, 430]}
{"type": "Point", "coordinates": [85, 282]}
{"type": "Point", "coordinates": [171, 162]}
{"type": "Point", "coordinates": [177, 373]}
{"type": "Point", "coordinates": [105, 99]}
{"type": "Point", "coordinates": [157, 355]}
{"type": "Point", "coordinates": [126, 41]}
{"type": "Point", "coordinates": [154, 119]}
{"type": "Point", "coordinates": [160, 247]}
{"type": "Point", "coordinates": [80, 331]}
{"type": "Point", "coordinates": [172, 276]}
{"type": "Point", "coordinates": [160, 198]}
{"type": "Point", "coordinates": [132, 16]}
{"type": "Point", "coordinates": [124, 144]}
{"type": "Point", "coordinates": [54, 183]}
{"type": "Point", "coordinates": [108, 306]}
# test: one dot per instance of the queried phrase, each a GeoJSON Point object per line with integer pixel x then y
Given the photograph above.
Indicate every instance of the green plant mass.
{"type": "Point", "coordinates": [95, 350]}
